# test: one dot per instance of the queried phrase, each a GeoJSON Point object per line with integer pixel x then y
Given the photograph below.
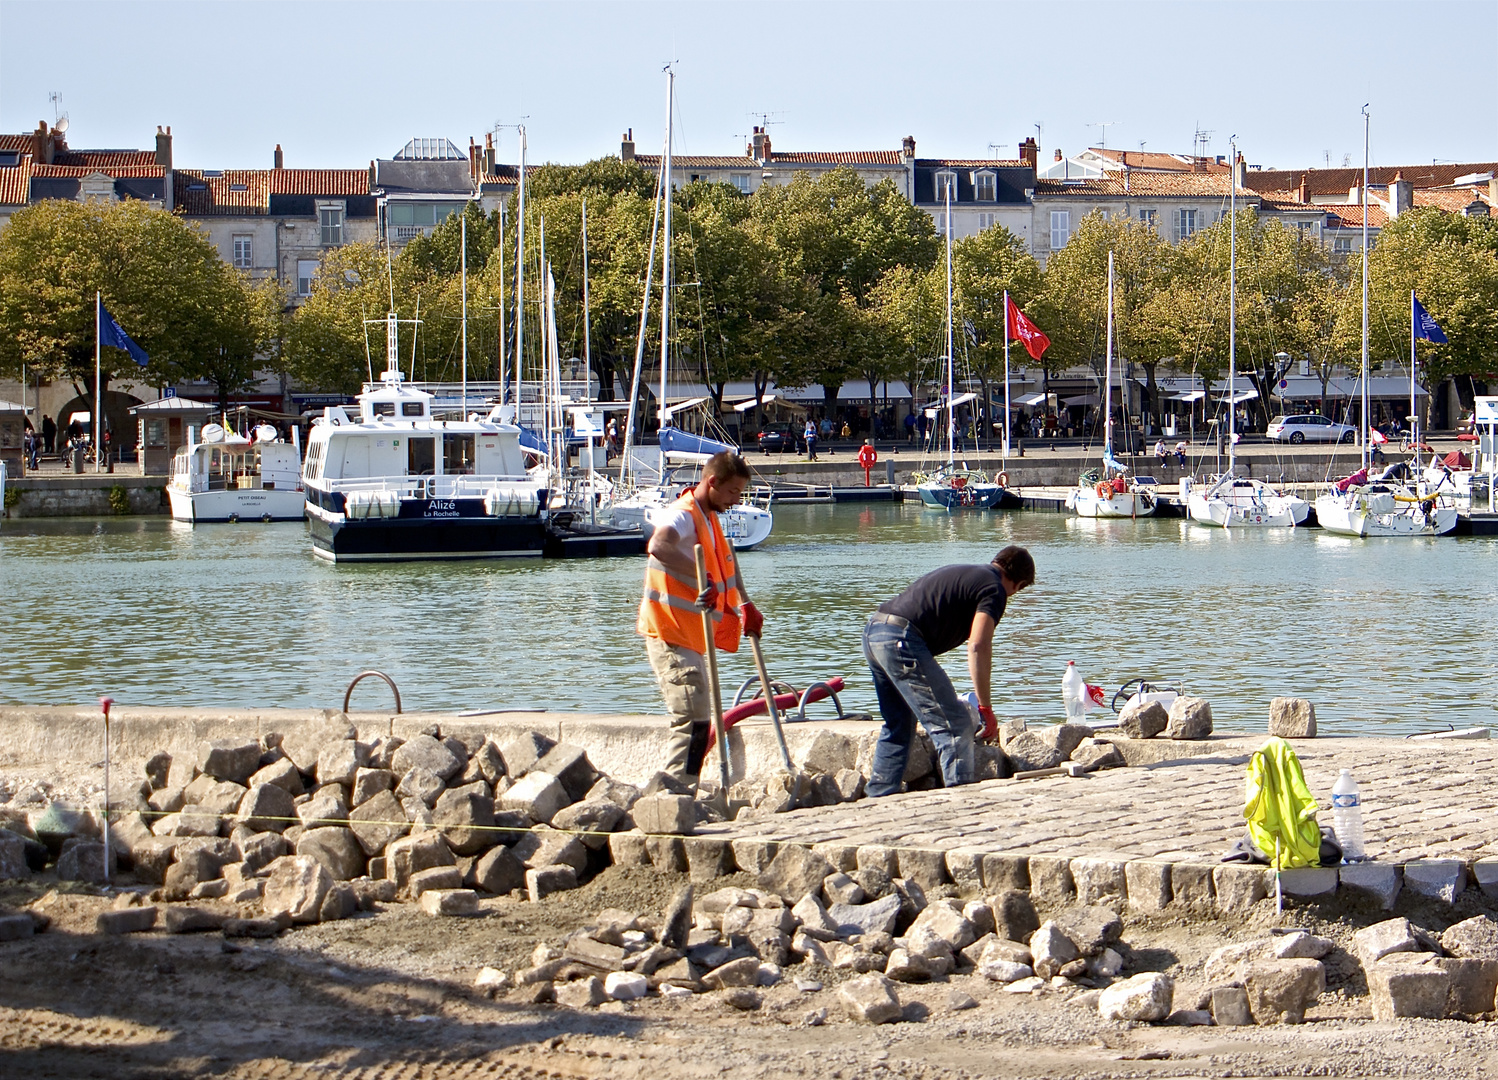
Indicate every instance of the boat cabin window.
{"type": "Point", "coordinates": [421, 457]}
{"type": "Point", "coordinates": [412, 408]}
{"type": "Point", "coordinates": [384, 408]}
{"type": "Point", "coordinates": [457, 454]}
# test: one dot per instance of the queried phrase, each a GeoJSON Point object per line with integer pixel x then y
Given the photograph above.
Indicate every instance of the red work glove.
{"type": "Point", "coordinates": [707, 599]}
{"type": "Point", "coordinates": [990, 722]}
{"type": "Point", "coordinates": [754, 622]}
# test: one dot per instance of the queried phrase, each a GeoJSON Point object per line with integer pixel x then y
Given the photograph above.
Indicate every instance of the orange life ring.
{"type": "Point", "coordinates": [1003, 479]}
{"type": "Point", "coordinates": [1104, 490]}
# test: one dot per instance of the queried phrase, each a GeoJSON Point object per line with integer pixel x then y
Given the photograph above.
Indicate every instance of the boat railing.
{"type": "Point", "coordinates": [446, 486]}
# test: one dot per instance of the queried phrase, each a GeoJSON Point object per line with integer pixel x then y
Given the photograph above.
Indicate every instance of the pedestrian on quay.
{"type": "Point", "coordinates": [1181, 453]}
{"type": "Point", "coordinates": [810, 435]}
{"type": "Point", "coordinates": [910, 427]}
{"type": "Point", "coordinates": [901, 642]}
{"type": "Point", "coordinates": [49, 434]}
{"type": "Point", "coordinates": [671, 608]}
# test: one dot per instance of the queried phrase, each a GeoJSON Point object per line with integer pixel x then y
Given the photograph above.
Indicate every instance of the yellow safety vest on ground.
{"type": "Point", "coordinates": [1278, 807]}
{"type": "Point", "coordinates": [668, 609]}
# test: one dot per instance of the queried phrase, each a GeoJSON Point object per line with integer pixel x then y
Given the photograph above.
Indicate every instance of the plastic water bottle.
{"type": "Point", "coordinates": [1347, 816]}
{"type": "Point", "coordinates": [1074, 693]}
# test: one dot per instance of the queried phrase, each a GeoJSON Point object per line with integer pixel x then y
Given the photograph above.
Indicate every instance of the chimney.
{"type": "Point", "coordinates": [1126, 173]}
{"type": "Point", "coordinates": [907, 148]}
{"type": "Point", "coordinates": [1493, 190]}
{"type": "Point", "coordinates": [489, 154]}
{"type": "Point", "coordinates": [1354, 195]}
{"type": "Point", "coordinates": [759, 145]}
{"type": "Point", "coordinates": [1058, 154]}
{"type": "Point", "coordinates": [1401, 195]}
{"type": "Point", "coordinates": [279, 160]}
{"type": "Point", "coordinates": [1029, 152]}
{"type": "Point", "coordinates": [1303, 193]}
{"type": "Point", "coordinates": [627, 146]}
{"type": "Point", "coordinates": [1240, 172]}
{"type": "Point", "coordinates": [164, 147]}
{"type": "Point", "coordinates": [41, 144]}
{"type": "Point", "coordinates": [473, 161]}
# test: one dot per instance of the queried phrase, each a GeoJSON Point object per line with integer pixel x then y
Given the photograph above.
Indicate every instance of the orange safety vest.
{"type": "Point", "coordinates": [668, 609]}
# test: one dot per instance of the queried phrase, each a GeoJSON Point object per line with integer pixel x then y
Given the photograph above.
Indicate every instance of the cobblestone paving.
{"type": "Point", "coordinates": [1420, 800]}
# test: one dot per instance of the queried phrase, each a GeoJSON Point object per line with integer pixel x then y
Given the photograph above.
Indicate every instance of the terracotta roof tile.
{"type": "Point", "coordinates": [117, 171]}
{"type": "Point", "coordinates": [15, 183]}
{"type": "Point", "coordinates": [106, 159]}
{"type": "Point", "coordinates": [844, 157]}
{"type": "Point", "coordinates": [1452, 200]}
{"type": "Point", "coordinates": [1351, 217]}
{"type": "Point", "coordinates": [329, 182]}
{"type": "Point", "coordinates": [969, 163]}
{"type": "Point", "coordinates": [698, 161]}
{"type": "Point", "coordinates": [234, 192]}
{"type": "Point", "coordinates": [1144, 185]}
{"type": "Point", "coordinates": [1340, 181]}
{"type": "Point", "coordinates": [1285, 201]}
{"type": "Point", "coordinates": [1157, 162]}
{"type": "Point", "coordinates": [15, 142]}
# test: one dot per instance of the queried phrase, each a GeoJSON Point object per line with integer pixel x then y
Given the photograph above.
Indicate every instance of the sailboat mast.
{"type": "Point", "coordinates": [1108, 371]}
{"type": "Point", "coordinates": [588, 368]}
{"type": "Point", "coordinates": [1364, 200]}
{"type": "Point", "coordinates": [951, 409]}
{"type": "Point", "coordinates": [1006, 380]}
{"type": "Point", "coordinates": [463, 259]}
{"type": "Point", "coordinates": [1414, 416]}
{"type": "Point", "coordinates": [501, 262]}
{"type": "Point", "coordinates": [1232, 295]}
{"type": "Point", "coordinates": [666, 255]}
{"type": "Point", "coordinates": [634, 381]}
{"type": "Point", "coordinates": [520, 280]}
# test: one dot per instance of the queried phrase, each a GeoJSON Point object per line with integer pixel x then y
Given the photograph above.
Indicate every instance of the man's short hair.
{"type": "Point", "coordinates": [725, 466]}
{"type": "Point", "coordinates": [1016, 564]}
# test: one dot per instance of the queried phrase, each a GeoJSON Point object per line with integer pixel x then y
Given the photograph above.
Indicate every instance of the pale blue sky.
{"type": "Point", "coordinates": [337, 84]}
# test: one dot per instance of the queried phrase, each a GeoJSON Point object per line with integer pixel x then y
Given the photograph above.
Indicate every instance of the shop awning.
{"type": "Point", "coordinates": [1081, 399]}
{"type": "Point", "coordinates": [1191, 395]}
{"type": "Point", "coordinates": [1029, 399]}
{"type": "Point", "coordinates": [1241, 395]}
{"type": "Point", "coordinates": [690, 403]}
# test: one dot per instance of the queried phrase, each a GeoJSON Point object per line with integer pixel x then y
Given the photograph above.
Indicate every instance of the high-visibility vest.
{"type": "Point", "coordinates": [668, 608]}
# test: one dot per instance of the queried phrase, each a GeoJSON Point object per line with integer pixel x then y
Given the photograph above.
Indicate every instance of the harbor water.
{"type": "Point", "coordinates": [1386, 637]}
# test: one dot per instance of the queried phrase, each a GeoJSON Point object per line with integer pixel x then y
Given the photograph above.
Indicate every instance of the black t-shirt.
{"type": "Point", "coordinates": [941, 606]}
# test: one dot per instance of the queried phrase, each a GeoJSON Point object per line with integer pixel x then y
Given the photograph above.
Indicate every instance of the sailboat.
{"type": "Point", "coordinates": [745, 525]}
{"type": "Point", "coordinates": [950, 487]}
{"type": "Point", "coordinates": [1357, 506]}
{"type": "Point", "coordinates": [1107, 495]}
{"type": "Point", "coordinates": [1233, 501]}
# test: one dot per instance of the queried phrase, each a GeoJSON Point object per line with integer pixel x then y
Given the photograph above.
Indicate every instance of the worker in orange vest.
{"type": "Point", "coordinates": [867, 456]}
{"type": "Point", "coordinates": [671, 608]}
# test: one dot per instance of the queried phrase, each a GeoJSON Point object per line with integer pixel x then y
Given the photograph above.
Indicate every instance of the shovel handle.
{"type": "Point", "coordinates": [714, 693]}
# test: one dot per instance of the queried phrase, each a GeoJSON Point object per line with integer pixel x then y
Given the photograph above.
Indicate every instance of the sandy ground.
{"type": "Point", "coordinates": [391, 995]}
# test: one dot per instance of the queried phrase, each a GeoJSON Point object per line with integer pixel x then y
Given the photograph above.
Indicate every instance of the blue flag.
{"type": "Point", "coordinates": [113, 335]}
{"type": "Point", "coordinates": [1425, 326]}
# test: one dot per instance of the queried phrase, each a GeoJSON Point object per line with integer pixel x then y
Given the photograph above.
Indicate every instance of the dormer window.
{"type": "Point", "coordinates": [986, 186]}
{"type": "Point", "coordinates": [412, 408]}
{"type": "Point", "coordinates": [946, 184]}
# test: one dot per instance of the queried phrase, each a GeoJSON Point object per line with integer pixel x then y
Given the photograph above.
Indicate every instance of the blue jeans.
{"type": "Point", "coordinates": [913, 687]}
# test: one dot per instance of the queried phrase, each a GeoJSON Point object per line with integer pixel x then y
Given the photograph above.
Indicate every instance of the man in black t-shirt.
{"type": "Point", "coordinates": [901, 643]}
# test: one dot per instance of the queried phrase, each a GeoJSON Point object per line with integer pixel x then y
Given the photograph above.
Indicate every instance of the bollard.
{"type": "Point", "coordinates": [78, 460]}
{"type": "Point", "coordinates": [889, 473]}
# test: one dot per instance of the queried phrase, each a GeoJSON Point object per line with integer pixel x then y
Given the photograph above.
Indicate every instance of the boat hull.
{"type": "Point", "coordinates": [1353, 517]}
{"type": "Point", "coordinates": [1281, 513]}
{"type": "Point", "coordinates": [237, 504]}
{"type": "Point", "coordinates": [1127, 504]}
{"type": "Point", "coordinates": [967, 497]}
{"type": "Point", "coordinates": [744, 526]}
{"type": "Point", "coordinates": [425, 529]}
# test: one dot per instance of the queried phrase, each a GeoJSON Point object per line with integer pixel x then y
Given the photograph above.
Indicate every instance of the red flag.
{"type": "Point", "coordinates": [1035, 342]}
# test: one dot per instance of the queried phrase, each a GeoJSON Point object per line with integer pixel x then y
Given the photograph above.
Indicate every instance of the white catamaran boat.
{"type": "Point", "coordinates": [224, 476]}
{"type": "Point", "coordinates": [746, 525]}
{"type": "Point", "coordinates": [952, 486]}
{"type": "Point", "coordinates": [1109, 496]}
{"type": "Point", "coordinates": [397, 484]}
{"type": "Point", "coordinates": [1230, 501]}
{"type": "Point", "coordinates": [1357, 507]}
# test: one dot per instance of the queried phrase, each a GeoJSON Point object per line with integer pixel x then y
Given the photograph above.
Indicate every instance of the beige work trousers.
{"type": "Point", "coordinates": [681, 674]}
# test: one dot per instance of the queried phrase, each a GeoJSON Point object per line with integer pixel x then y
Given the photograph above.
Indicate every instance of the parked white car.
{"type": "Point", "coordinates": [1311, 427]}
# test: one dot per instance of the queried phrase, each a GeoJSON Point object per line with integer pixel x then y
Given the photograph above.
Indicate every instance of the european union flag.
{"type": "Point", "coordinates": [113, 335]}
{"type": "Point", "coordinates": [1425, 326]}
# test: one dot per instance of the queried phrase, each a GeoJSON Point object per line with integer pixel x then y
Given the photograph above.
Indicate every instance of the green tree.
{"type": "Point", "coordinates": [984, 267]}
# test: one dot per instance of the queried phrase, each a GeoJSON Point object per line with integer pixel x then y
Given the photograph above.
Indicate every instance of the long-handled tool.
{"type": "Point", "coordinates": [714, 693]}
{"type": "Point", "coordinates": [769, 692]}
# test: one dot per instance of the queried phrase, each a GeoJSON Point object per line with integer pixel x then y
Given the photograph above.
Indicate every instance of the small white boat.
{"type": "Point", "coordinates": [1118, 498]}
{"type": "Point", "coordinates": [224, 476]}
{"type": "Point", "coordinates": [744, 525]}
{"type": "Point", "coordinates": [1234, 502]}
{"type": "Point", "coordinates": [1381, 509]}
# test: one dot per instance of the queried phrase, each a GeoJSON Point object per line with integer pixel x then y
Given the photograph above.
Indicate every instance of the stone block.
{"type": "Point", "coordinates": [304, 742]}
{"type": "Point", "coordinates": [1373, 943]}
{"type": "Point", "coordinates": [378, 821]}
{"type": "Point", "coordinates": [327, 806]}
{"type": "Point", "coordinates": [191, 920]}
{"type": "Point", "coordinates": [370, 782]}
{"type": "Point", "coordinates": [193, 867]}
{"type": "Point", "coordinates": [1147, 883]}
{"type": "Point", "coordinates": [296, 887]}
{"type": "Point", "coordinates": [1190, 718]}
{"type": "Point", "coordinates": [496, 871]}
{"type": "Point", "coordinates": [741, 972]}
{"type": "Point", "coordinates": [1305, 881]}
{"type": "Point", "coordinates": [667, 853]}
{"type": "Point", "coordinates": [1292, 718]}
{"type": "Point", "coordinates": [339, 762]}
{"type": "Point", "coordinates": [259, 850]}
{"type": "Point", "coordinates": [1099, 880]}
{"type": "Point", "coordinates": [336, 848]}
{"type": "Point", "coordinates": [1239, 887]}
{"type": "Point", "coordinates": [221, 799]}
{"type": "Point", "coordinates": [450, 902]}
{"type": "Point", "coordinates": [229, 759]}
{"type": "Point", "coordinates": [1064, 737]}
{"type": "Point", "coordinates": [795, 872]}
{"type": "Point", "coordinates": [82, 860]}
{"type": "Point", "coordinates": [870, 999]}
{"type": "Point", "coordinates": [12, 856]}
{"type": "Point", "coordinates": [423, 751]}
{"type": "Point", "coordinates": [752, 856]}
{"type": "Point", "coordinates": [420, 783]}
{"type": "Point", "coordinates": [625, 986]}
{"type": "Point", "coordinates": [1376, 882]}
{"type": "Point", "coordinates": [676, 919]}
{"type": "Point", "coordinates": [545, 880]}
{"type": "Point", "coordinates": [16, 927]}
{"type": "Point", "coordinates": [875, 883]}
{"type": "Point", "coordinates": [1051, 950]}
{"type": "Point", "coordinates": [830, 753]}
{"type": "Point", "coordinates": [545, 846]}
{"type": "Point", "coordinates": [133, 920]}
{"type": "Point", "coordinates": [1441, 879]}
{"type": "Point", "coordinates": [1230, 1007]}
{"type": "Point", "coordinates": [879, 857]}
{"type": "Point", "coordinates": [1093, 755]}
{"type": "Point", "coordinates": [1143, 720]}
{"type": "Point", "coordinates": [841, 856]}
{"type": "Point", "coordinates": [708, 857]}
{"type": "Point", "coordinates": [1050, 879]}
{"type": "Point", "coordinates": [926, 866]}
{"type": "Point", "coordinates": [490, 761]}
{"type": "Point", "coordinates": [1029, 750]}
{"type": "Point", "coordinates": [434, 878]}
{"type": "Point", "coordinates": [570, 765]}
{"type": "Point", "coordinates": [1003, 871]}
{"type": "Point", "coordinates": [902, 966]}
{"type": "Point", "coordinates": [1280, 991]}
{"type": "Point", "coordinates": [1397, 989]}
{"type": "Point", "coordinates": [157, 766]}
{"type": "Point", "coordinates": [945, 919]}
{"type": "Point", "coordinates": [665, 815]}
{"type": "Point", "coordinates": [1226, 964]}
{"type": "Point", "coordinates": [521, 754]}
{"type": "Point", "coordinates": [267, 808]}
{"type": "Point", "coordinates": [581, 993]}
{"type": "Point", "coordinates": [1145, 997]}
{"type": "Point", "coordinates": [592, 820]}
{"type": "Point", "coordinates": [1191, 885]}
{"type": "Point", "coordinates": [168, 800]}
{"type": "Point", "coordinates": [965, 868]}
{"type": "Point", "coordinates": [1090, 928]}
{"type": "Point", "coordinates": [465, 815]}
{"type": "Point", "coordinates": [1299, 945]}
{"type": "Point", "coordinates": [1474, 983]}
{"type": "Point", "coordinates": [537, 794]}
{"type": "Point", "coordinates": [880, 916]}
{"type": "Point", "coordinates": [814, 919]}
{"type": "Point", "coordinates": [1485, 876]}
{"type": "Point", "coordinates": [281, 773]}
{"type": "Point", "coordinates": [1014, 915]}
{"type": "Point", "coordinates": [628, 849]}
{"type": "Point", "coordinates": [1474, 939]}
{"type": "Point", "coordinates": [411, 854]}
